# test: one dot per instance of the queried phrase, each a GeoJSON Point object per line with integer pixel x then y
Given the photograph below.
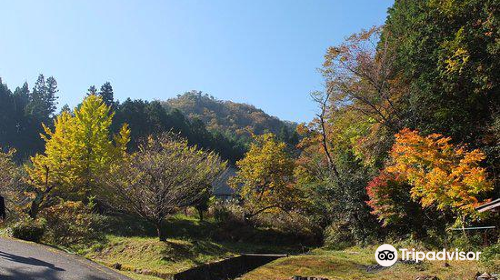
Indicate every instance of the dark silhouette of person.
{"type": "Point", "coordinates": [2, 208]}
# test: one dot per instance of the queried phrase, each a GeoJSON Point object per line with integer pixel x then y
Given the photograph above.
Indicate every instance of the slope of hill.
{"type": "Point", "coordinates": [231, 118]}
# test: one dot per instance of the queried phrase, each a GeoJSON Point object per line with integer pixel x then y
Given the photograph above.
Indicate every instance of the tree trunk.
{"type": "Point", "coordinates": [40, 197]}
{"type": "Point", "coordinates": [463, 228]}
{"type": "Point", "coordinates": [200, 213]}
{"type": "Point", "coordinates": [33, 212]}
{"type": "Point", "coordinates": [162, 236]}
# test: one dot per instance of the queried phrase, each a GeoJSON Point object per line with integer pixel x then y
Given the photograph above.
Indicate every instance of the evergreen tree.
{"type": "Point", "coordinates": [107, 94]}
{"type": "Point", "coordinates": [6, 111]}
{"type": "Point", "coordinates": [92, 90]}
{"type": "Point", "coordinates": [42, 100]}
{"type": "Point", "coordinates": [22, 95]}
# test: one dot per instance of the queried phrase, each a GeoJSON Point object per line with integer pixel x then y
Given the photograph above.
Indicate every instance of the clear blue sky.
{"type": "Point", "coordinates": [262, 52]}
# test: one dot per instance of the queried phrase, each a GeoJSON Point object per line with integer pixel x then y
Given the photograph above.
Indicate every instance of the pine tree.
{"type": "Point", "coordinates": [50, 95]}
{"type": "Point", "coordinates": [35, 106]}
{"type": "Point", "coordinates": [42, 100]}
{"type": "Point", "coordinates": [22, 95]}
{"type": "Point", "coordinates": [92, 90]}
{"type": "Point", "coordinates": [106, 94]}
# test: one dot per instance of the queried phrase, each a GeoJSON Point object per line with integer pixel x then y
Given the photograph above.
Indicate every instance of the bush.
{"type": "Point", "coordinates": [28, 229]}
{"type": "Point", "coordinates": [491, 256]}
{"type": "Point", "coordinates": [295, 225]}
{"type": "Point", "coordinates": [227, 212]}
{"type": "Point", "coordinates": [71, 223]}
{"type": "Point", "coordinates": [338, 236]}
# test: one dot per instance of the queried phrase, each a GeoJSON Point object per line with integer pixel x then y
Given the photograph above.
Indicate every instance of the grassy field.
{"type": "Point", "coordinates": [354, 263]}
{"type": "Point", "coordinates": [133, 244]}
{"type": "Point", "coordinates": [147, 253]}
{"type": "Point", "coordinates": [191, 243]}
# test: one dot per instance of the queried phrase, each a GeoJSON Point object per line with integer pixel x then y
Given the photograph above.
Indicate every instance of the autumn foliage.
{"type": "Point", "coordinates": [386, 192]}
{"type": "Point", "coordinates": [441, 174]}
{"type": "Point", "coordinates": [265, 178]}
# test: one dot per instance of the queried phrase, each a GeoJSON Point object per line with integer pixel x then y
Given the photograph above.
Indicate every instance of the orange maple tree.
{"type": "Point", "coordinates": [441, 174]}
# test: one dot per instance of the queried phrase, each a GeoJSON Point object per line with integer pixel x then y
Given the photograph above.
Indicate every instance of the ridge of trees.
{"type": "Point", "coordinates": [237, 119]}
{"type": "Point", "coordinates": [23, 112]}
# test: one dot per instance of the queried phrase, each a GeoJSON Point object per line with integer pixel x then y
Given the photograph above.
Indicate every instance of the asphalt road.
{"type": "Point", "coordinates": [28, 261]}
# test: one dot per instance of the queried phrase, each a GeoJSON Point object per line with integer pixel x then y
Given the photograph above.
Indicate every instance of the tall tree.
{"type": "Point", "coordinates": [107, 94]}
{"type": "Point", "coordinates": [448, 53]}
{"type": "Point", "coordinates": [265, 178]}
{"type": "Point", "coordinates": [42, 101]}
{"type": "Point", "coordinates": [23, 94]}
{"type": "Point", "coordinates": [77, 151]}
{"type": "Point", "coordinates": [361, 75]}
{"type": "Point", "coordinates": [51, 92]}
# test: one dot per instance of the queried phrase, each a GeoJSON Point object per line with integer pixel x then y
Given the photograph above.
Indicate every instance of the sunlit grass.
{"type": "Point", "coordinates": [353, 263]}
{"type": "Point", "coordinates": [148, 253]}
{"type": "Point", "coordinates": [191, 243]}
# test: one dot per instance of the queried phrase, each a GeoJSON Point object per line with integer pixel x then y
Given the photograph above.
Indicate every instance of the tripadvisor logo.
{"type": "Point", "coordinates": [387, 255]}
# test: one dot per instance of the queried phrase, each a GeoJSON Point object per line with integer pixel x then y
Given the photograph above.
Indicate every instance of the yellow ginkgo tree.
{"type": "Point", "coordinates": [78, 150]}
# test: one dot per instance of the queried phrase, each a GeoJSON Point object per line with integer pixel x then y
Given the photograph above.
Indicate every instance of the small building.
{"type": "Point", "coordinates": [221, 188]}
{"type": "Point", "coordinates": [493, 206]}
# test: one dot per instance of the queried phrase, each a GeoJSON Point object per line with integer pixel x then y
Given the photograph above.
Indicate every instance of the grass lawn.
{"type": "Point", "coordinates": [353, 263]}
{"type": "Point", "coordinates": [133, 244]}
{"type": "Point", "coordinates": [147, 253]}
{"type": "Point", "coordinates": [191, 243]}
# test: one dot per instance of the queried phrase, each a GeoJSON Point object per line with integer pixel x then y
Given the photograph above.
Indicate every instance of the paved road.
{"type": "Point", "coordinates": [27, 261]}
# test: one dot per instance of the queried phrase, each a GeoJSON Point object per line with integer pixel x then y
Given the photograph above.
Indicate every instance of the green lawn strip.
{"type": "Point", "coordinates": [149, 254]}
{"type": "Point", "coordinates": [353, 263]}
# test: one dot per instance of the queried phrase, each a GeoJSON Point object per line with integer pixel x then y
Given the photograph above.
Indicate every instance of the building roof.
{"type": "Point", "coordinates": [493, 206]}
{"type": "Point", "coordinates": [221, 187]}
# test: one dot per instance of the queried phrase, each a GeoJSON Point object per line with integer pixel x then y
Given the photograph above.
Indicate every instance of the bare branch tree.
{"type": "Point", "coordinates": [162, 176]}
{"type": "Point", "coordinates": [323, 100]}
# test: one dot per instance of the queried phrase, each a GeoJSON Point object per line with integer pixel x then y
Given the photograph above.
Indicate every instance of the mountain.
{"type": "Point", "coordinates": [235, 119]}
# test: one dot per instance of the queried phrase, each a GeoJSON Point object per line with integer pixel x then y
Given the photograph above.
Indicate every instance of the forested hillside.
{"type": "Point", "coordinates": [24, 111]}
{"type": "Point", "coordinates": [231, 117]}
{"type": "Point", "coordinates": [205, 121]}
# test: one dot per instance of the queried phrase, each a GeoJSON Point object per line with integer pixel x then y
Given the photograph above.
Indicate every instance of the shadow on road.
{"type": "Point", "coordinates": [28, 261]}
{"type": "Point", "coordinates": [21, 261]}
{"type": "Point", "coordinates": [20, 274]}
{"type": "Point", "coordinates": [47, 274]}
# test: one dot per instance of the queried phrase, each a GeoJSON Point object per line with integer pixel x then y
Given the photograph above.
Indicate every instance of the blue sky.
{"type": "Point", "coordinates": [260, 52]}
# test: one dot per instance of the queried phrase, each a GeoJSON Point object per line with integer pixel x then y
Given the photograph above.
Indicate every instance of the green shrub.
{"type": "Point", "coordinates": [294, 225]}
{"type": "Point", "coordinates": [338, 237]}
{"type": "Point", "coordinates": [71, 223]}
{"type": "Point", "coordinates": [29, 229]}
{"type": "Point", "coordinates": [227, 212]}
{"type": "Point", "coordinates": [490, 255]}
